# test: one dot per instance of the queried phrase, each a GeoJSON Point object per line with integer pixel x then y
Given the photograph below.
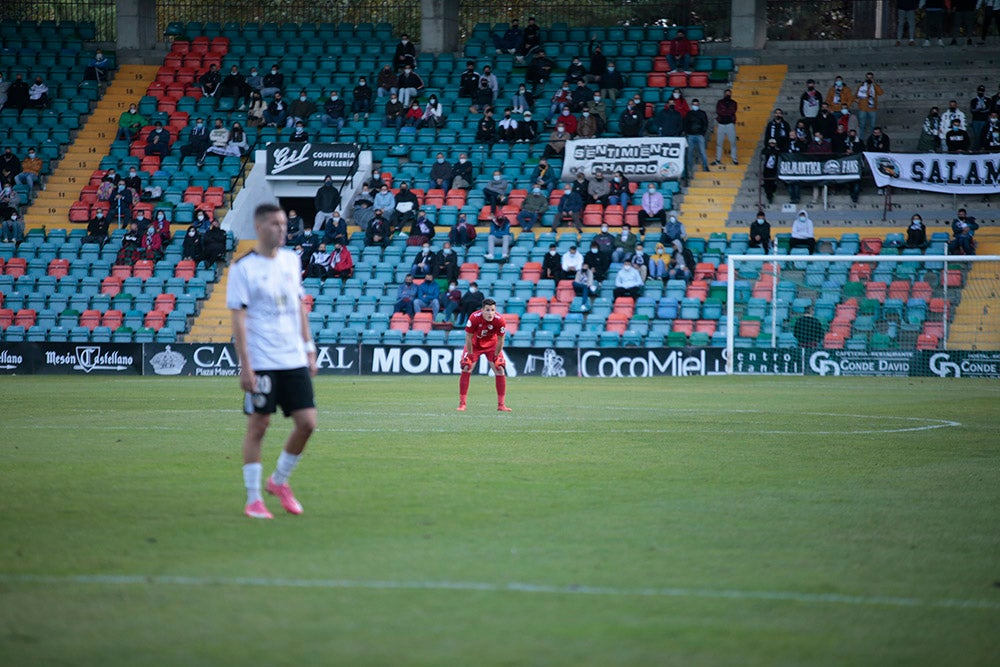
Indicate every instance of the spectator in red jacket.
{"type": "Point", "coordinates": [681, 51]}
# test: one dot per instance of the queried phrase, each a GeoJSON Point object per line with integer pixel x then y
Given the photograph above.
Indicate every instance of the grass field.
{"type": "Point", "coordinates": [696, 521]}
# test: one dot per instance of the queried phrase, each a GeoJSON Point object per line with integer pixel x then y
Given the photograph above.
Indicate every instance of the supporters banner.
{"type": "Point", "coordinates": [639, 362]}
{"type": "Point", "coordinates": [640, 159]}
{"type": "Point", "coordinates": [803, 167]}
{"type": "Point", "coordinates": [937, 172]}
{"type": "Point", "coordinates": [311, 161]}
{"type": "Point", "coordinates": [221, 360]}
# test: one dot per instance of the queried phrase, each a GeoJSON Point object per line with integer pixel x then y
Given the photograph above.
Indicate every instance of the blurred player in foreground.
{"type": "Point", "coordinates": [484, 334]}
{"type": "Point", "coordinates": [277, 355]}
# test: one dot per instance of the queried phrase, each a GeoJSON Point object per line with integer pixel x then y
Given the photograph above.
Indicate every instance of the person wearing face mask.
{"type": "Point", "coordinates": [334, 112]}
{"type": "Point", "coordinates": [597, 261]}
{"type": "Point", "coordinates": [17, 94]}
{"type": "Point", "coordinates": [161, 224]}
{"type": "Point", "coordinates": [142, 222]}
{"type": "Point", "coordinates": [486, 128]}
{"type": "Point", "coordinates": [462, 233]}
{"type": "Point", "coordinates": [846, 121]}
{"type": "Point", "coordinates": [385, 200]}
{"type": "Point", "coordinates": [468, 82]}
{"type": "Point", "coordinates": [511, 40]}
{"type": "Point", "coordinates": [631, 121]}
{"type": "Point", "coordinates": [272, 83]}
{"type": "Point", "coordinates": [447, 263]}
{"type": "Point", "coordinates": [471, 301]}
{"type": "Point", "coordinates": [673, 230]}
{"type": "Point", "coordinates": [527, 129]}
{"type": "Point", "coordinates": [428, 296]}
{"type": "Point", "coordinates": [192, 245]}
{"type": "Point", "coordinates": [233, 87]}
{"type": "Point", "coordinates": [668, 122]}
{"type": "Point", "coordinates": [378, 232]}
{"type": "Point", "coordinates": [12, 229]}
{"type": "Point", "coordinates": [532, 208]}
{"type": "Point", "coordinates": [581, 95]}
{"type": "Point", "coordinates": [319, 263]}
{"type": "Point", "coordinates": [38, 94]}
{"type": "Point", "coordinates": [680, 53]}
{"type": "Point", "coordinates": [300, 109]}
{"type": "Point", "coordinates": [611, 82]}
{"type": "Point", "coordinates": [97, 69]}
{"type": "Point", "coordinates": [587, 127]}
{"type": "Point", "coordinates": [916, 233]}
{"type": "Point", "coordinates": [624, 244]}
{"type": "Point", "coordinates": [386, 82]}
{"type": "Point", "coordinates": [362, 99]}
{"type": "Point", "coordinates": [879, 141]}
{"type": "Point", "coordinates": [779, 130]}
{"type": "Point", "coordinates": [121, 205]}
{"type": "Point", "coordinates": [405, 54]}
{"type": "Point", "coordinates": [989, 141]}
{"type": "Point", "coordinates": [809, 103]}
{"type": "Point", "coordinates": [950, 116]}
{"type": "Point", "coordinates": [802, 233]}
{"type": "Point", "coordinates": [410, 85]}
{"type": "Point", "coordinates": [255, 110]}
{"type": "Point", "coordinates": [839, 94]}
{"type": "Point", "coordinates": [619, 193]}
{"type": "Point", "coordinates": [299, 134]}
{"type": "Point", "coordinates": [552, 264]}
{"type": "Point", "coordinates": [407, 206]}
{"type": "Point", "coordinates": [482, 97]}
{"type": "Point", "coordinates": [326, 201]}
{"type": "Point", "coordinates": [130, 124]}
{"type": "Point", "coordinates": [507, 127]}
{"type": "Point", "coordinates": [769, 169]}
{"type": "Point", "coordinates": [598, 189]}
{"type": "Point", "coordinates": [158, 141]}
{"type": "Point", "coordinates": [463, 175]}
{"type": "Point", "coordinates": [97, 229]}
{"type": "Point", "coordinates": [957, 139]}
{"type": "Point", "coordinates": [341, 262]}
{"type": "Point", "coordinates": [652, 208]}
{"type": "Point", "coordinates": [214, 244]}
{"type": "Point", "coordinates": [496, 191]}
{"type": "Point", "coordinates": [658, 263]}
{"type": "Point", "coordinates": [585, 285]}
{"type": "Point", "coordinates": [867, 100]}
{"type": "Point", "coordinates": [569, 210]}
{"type": "Point", "coordinates": [432, 115]}
{"type": "Point", "coordinates": [276, 111]}
{"type": "Point", "coordinates": [335, 229]}
{"type": "Point", "coordinates": [31, 169]}
{"type": "Point", "coordinates": [452, 302]}
{"type": "Point", "coordinates": [421, 231]}
{"type": "Point", "coordinates": [210, 81]}
{"type": "Point", "coordinates": [129, 252]}
{"type": "Point", "coordinates": [695, 129]}
{"type": "Point", "coordinates": [151, 245]}
{"type": "Point", "coordinates": [201, 221]}
{"type": "Point", "coordinates": [543, 173]}
{"type": "Point", "coordinates": [562, 97]}
{"type": "Point", "coordinates": [441, 174]}
{"type": "Point", "coordinates": [198, 141]}
{"type": "Point", "coordinates": [725, 126]}
{"type": "Point", "coordinates": [539, 71]}
{"type": "Point", "coordinates": [760, 233]}
{"type": "Point", "coordinates": [394, 112]}
{"type": "Point", "coordinates": [499, 231]}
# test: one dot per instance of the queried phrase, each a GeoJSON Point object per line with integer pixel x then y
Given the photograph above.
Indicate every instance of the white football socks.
{"type": "Point", "coordinates": [251, 480]}
{"type": "Point", "coordinates": [283, 470]}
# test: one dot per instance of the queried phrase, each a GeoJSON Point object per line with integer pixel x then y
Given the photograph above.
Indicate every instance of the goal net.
{"type": "Point", "coordinates": [866, 310]}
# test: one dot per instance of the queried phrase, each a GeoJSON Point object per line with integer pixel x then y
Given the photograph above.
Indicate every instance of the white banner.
{"type": "Point", "coordinates": [937, 172]}
{"type": "Point", "coordinates": [640, 159]}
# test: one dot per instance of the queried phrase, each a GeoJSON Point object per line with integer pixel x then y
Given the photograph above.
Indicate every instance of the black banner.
{"type": "Point", "coordinates": [220, 359]}
{"type": "Point", "coordinates": [768, 361]}
{"type": "Point", "coordinates": [806, 167]}
{"type": "Point", "coordinates": [888, 363]}
{"type": "Point", "coordinates": [17, 358]}
{"type": "Point", "coordinates": [86, 358]}
{"type": "Point", "coordinates": [956, 364]}
{"type": "Point", "coordinates": [311, 161]}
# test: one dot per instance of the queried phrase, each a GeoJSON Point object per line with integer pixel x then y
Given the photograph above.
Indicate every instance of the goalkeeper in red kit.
{"type": "Point", "coordinates": [484, 334]}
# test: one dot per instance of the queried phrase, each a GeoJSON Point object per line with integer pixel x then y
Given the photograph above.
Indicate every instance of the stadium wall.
{"type": "Point", "coordinates": [214, 360]}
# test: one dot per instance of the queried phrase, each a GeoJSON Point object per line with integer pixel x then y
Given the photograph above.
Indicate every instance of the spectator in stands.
{"type": "Point", "coordinates": [496, 191]}
{"type": "Point", "coordinates": [950, 115]}
{"type": "Point", "coordinates": [453, 301]}
{"type": "Point", "coordinates": [432, 115]}
{"type": "Point", "coordinates": [599, 108]}
{"type": "Point", "coordinates": [158, 141]}
{"type": "Point", "coordinates": [233, 86]}
{"type": "Point", "coordinates": [468, 82]}
{"type": "Point", "coordinates": [570, 209]}
{"type": "Point", "coordinates": [236, 141]}
{"type": "Point", "coordinates": [597, 261]}
{"type": "Point", "coordinates": [628, 282]}
{"type": "Point", "coordinates": [631, 121]}
{"type": "Point", "coordinates": [802, 233]}
{"type": "Point", "coordinates": [585, 285]}
{"type": "Point", "coordinates": [276, 111]}
{"type": "Point", "coordinates": [801, 136]}
{"type": "Point", "coordinates": [462, 234]}
{"type": "Point", "coordinates": [406, 293]}
{"type": "Point", "coordinates": [198, 141]}
{"type": "Point", "coordinates": [673, 230]}
{"type": "Point", "coordinates": [769, 168]}
{"type": "Point", "coordinates": [255, 82]}
{"type": "Point", "coordinates": [527, 129]}
{"type": "Point", "coordinates": [299, 134]}
{"type": "Point", "coordinates": [319, 263]}
{"type": "Point", "coordinates": [482, 98]}
{"type": "Point", "coordinates": [302, 108]}
{"type": "Point", "coordinates": [441, 174]}
{"type": "Point", "coordinates": [819, 144]}
{"type": "Point", "coordinates": [611, 82]}
{"type": "Point", "coordinates": [272, 83]}
{"type": "Point", "coordinates": [142, 222]}
{"type": "Point", "coordinates": [410, 85]}
{"type": "Point", "coordinates": [134, 182]}
{"type": "Point", "coordinates": [362, 99]}
{"type": "Point", "coordinates": [680, 53]}
{"type": "Point", "coordinates": [760, 233]}
{"type": "Point", "coordinates": [957, 140]}
{"type": "Point", "coordinates": [202, 221]}
{"type": "Point", "coordinates": [867, 100]}
{"type": "Point", "coordinates": [214, 245]}
{"type": "Point", "coordinates": [447, 263]}
{"type": "Point", "coordinates": [839, 94]}
{"type": "Point", "coordinates": [394, 112]}
{"type": "Point", "coordinates": [879, 141]}
{"type": "Point", "coordinates": [462, 170]}
{"type": "Point", "coordinates": [544, 174]}
{"type": "Point", "coordinates": [962, 217]}
{"type": "Point", "coordinates": [499, 232]}
{"type": "Point", "coordinates": [681, 266]}
{"type": "Point", "coordinates": [406, 53]}
{"type": "Point", "coordinates": [341, 262]}
{"type": "Point", "coordinates": [906, 13]}
{"type": "Point", "coordinates": [511, 40]}
{"type": "Point", "coordinates": [598, 189]}
{"type": "Point", "coordinates": [387, 83]}
{"type": "Point", "coordinates": [605, 241]}
{"type": "Point", "coordinates": [97, 229]}
{"type": "Point", "coordinates": [725, 126]}
{"type": "Point", "coordinates": [846, 121]}
{"type": "Point", "coordinates": [326, 201]}
{"type": "Point", "coordinates": [963, 242]}
{"type": "Point", "coordinates": [539, 71]}
{"type": "Point", "coordinates": [695, 128]}
{"type": "Point", "coordinates": [568, 122]}
{"type": "Point", "coordinates": [378, 231]}
{"type": "Point", "coordinates": [406, 208]}
{"type": "Point", "coordinates": [588, 127]}
{"type": "Point", "coordinates": [17, 94]}
{"type": "Point", "coordinates": [809, 103]}
{"type": "Point", "coordinates": [256, 109]}
{"type": "Point", "coordinates": [38, 94]}
{"type": "Point", "coordinates": [581, 185]}
{"type": "Point", "coordinates": [492, 80]}
{"type": "Point", "coordinates": [916, 233]}
{"type": "Point", "coordinates": [639, 260]}
{"type": "Point", "coordinates": [934, 15]}
{"type": "Point", "coordinates": [219, 141]}
{"type": "Point", "coordinates": [598, 61]}
{"type": "Point", "coordinates": [825, 122]}
{"type": "Point", "coordinates": [624, 244]}
{"type": "Point", "coordinates": [979, 110]}
{"type": "Point", "coordinates": [552, 264]}
{"type": "Point", "coordinates": [129, 253]}
{"type": "Point", "coordinates": [98, 68]}
{"type": "Point", "coordinates": [12, 229]}
{"type": "Point", "coordinates": [507, 127]}
{"type": "Point", "coordinates": [532, 208]}
{"type": "Point", "coordinates": [779, 130]}
{"type": "Point", "coordinates": [10, 167]}
{"type": "Point", "coordinates": [421, 231]}
{"type": "Point", "coordinates": [428, 296]}
{"type": "Point", "coordinates": [576, 71]}
{"type": "Point", "coordinates": [486, 128]}
{"type": "Point", "coordinates": [652, 208]}
{"type": "Point", "coordinates": [560, 99]}
{"type": "Point", "coordinates": [130, 124]}
{"type": "Point", "coordinates": [471, 301]}
{"type": "Point", "coordinates": [669, 122]}
{"type": "Point", "coordinates": [161, 225]}
{"type": "Point", "coordinates": [579, 97]}
{"type": "Point", "coordinates": [151, 244]}
{"type": "Point", "coordinates": [385, 200]}
{"type": "Point", "coordinates": [656, 268]}
{"type": "Point", "coordinates": [4, 87]}
{"type": "Point", "coordinates": [335, 229]}
{"type": "Point", "coordinates": [121, 205]}
{"type": "Point", "coordinates": [989, 140]}
{"type": "Point", "coordinates": [210, 81]}
{"type": "Point", "coordinates": [930, 135]}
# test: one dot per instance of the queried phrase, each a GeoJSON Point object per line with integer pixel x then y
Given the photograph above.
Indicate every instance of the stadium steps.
{"type": "Point", "coordinates": [51, 207]}
{"type": "Point", "coordinates": [976, 324]}
{"type": "Point", "coordinates": [213, 324]}
{"type": "Point", "coordinates": [710, 196]}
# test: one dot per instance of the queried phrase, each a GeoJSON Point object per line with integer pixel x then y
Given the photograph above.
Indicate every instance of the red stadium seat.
{"type": "Point", "coordinates": [617, 322]}
{"type": "Point", "coordinates": [833, 341]}
{"type": "Point", "coordinates": [656, 80]}
{"type": "Point", "coordinates": [927, 342]}
{"type": "Point", "coordinates": [531, 271]}
{"type": "Point", "coordinates": [16, 267]}
{"type": "Point", "coordinates": [399, 322]}
{"type": "Point", "coordinates": [185, 269]}
{"type": "Point", "coordinates": [677, 80]}
{"type": "Point", "coordinates": [112, 285]}
{"type": "Point", "coordinates": [90, 318]}
{"type": "Point", "coordinates": [59, 268]}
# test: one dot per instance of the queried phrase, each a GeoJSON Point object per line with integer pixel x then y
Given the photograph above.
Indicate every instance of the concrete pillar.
{"type": "Point", "coordinates": [749, 24]}
{"type": "Point", "coordinates": [136, 25]}
{"type": "Point", "coordinates": [438, 26]}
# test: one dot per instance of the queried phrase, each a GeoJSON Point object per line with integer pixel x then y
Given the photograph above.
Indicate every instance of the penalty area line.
{"type": "Point", "coordinates": [509, 587]}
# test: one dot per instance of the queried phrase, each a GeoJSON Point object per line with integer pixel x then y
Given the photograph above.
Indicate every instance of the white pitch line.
{"type": "Point", "coordinates": [510, 587]}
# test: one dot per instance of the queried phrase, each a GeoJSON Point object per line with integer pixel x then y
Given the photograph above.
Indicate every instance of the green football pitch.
{"type": "Point", "coordinates": [694, 521]}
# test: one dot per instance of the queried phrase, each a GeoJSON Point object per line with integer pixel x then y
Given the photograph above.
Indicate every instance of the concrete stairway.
{"type": "Point", "coordinates": [213, 324]}
{"type": "Point", "coordinates": [51, 207]}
